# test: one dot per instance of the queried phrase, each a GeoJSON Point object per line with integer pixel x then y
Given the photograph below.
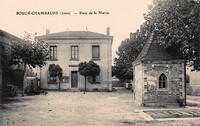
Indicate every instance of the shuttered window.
{"type": "Point", "coordinates": [95, 52]}
{"type": "Point", "coordinates": [53, 52]}
{"type": "Point", "coordinates": [74, 52]}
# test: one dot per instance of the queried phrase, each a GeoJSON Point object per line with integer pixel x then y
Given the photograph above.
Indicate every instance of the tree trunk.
{"type": "Point", "coordinates": [59, 82]}
{"type": "Point", "coordinates": [40, 76]}
{"type": "Point", "coordinates": [185, 83]}
{"type": "Point", "coordinates": [24, 79]}
{"type": "Point", "coordinates": [59, 85]}
{"type": "Point", "coordinates": [85, 85]}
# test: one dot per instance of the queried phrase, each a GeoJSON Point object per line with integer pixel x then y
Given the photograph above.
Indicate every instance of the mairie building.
{"type": "Point", "coordinates": [68, 49]}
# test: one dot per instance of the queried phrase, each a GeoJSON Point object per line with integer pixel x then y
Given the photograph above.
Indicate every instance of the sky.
{"type": "Point", "coordinates": [122, 16]}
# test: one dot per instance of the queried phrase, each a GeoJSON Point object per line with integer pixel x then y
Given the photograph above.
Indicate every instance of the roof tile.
{"type": "Point", "coordinates": [152, 50]}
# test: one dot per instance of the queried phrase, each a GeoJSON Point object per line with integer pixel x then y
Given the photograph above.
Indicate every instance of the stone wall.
{"type": "Point", "coordinates": [175, 82]}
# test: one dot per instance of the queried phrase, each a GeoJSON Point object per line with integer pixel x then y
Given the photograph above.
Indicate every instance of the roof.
{"type": "Point", "coordinates": [7, 37]}
{"type": "Point", "coordinates": [70, 35]}
{"type": "Point", "coordinates": [152, 50]}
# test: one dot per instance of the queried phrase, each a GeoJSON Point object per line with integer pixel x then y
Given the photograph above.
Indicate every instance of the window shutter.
{"type": "Point", "coordinates": [95, 52]}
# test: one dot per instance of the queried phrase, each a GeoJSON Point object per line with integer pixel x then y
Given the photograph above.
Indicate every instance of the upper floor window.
{"type": "Point", "coordinates": [74, 52]}
{"type": "Point", "coordinates": [162, 81]}
{"type": "Point", "coordinates": [53, 52]}
{"type": "Point", "coordinates": [95, 52]}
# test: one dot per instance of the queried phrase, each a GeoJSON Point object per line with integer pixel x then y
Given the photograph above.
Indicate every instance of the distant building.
{"type": "Point", "coordinates": [70, 48]}
{"type": "Point", "coordinates": [158, 76]}
{"type": "Point", "coordinates": [194, 81]}
{"type": "Point", "coordinates": [10, 75]}
{"type": "Point", "coordinates": [1, 52]}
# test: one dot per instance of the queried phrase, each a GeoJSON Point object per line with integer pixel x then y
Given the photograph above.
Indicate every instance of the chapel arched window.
{"type": "Point", "coordinates": [162, 81]}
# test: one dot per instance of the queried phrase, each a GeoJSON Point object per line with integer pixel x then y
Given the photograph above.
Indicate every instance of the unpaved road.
{"type": "Point", "coordinates": [77, 109]}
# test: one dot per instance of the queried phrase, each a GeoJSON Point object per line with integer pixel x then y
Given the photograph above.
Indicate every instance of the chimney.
{"type": "Point", "coordinates": [108, 30]}
{"type": "Point", "coordinates": [47, 31]}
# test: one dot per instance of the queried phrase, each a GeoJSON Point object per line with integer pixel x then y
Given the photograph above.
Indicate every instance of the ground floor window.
{"type": "Point", "coordinates": [52, 80]}
{"type": "Point", "coordinates": [94, 79]}
{"type": "Point", "coordinates": [65, 79]}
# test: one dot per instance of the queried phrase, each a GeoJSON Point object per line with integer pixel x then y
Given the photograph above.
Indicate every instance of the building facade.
{"type": "Point", "coordinates": [194, 81]}
{"type": "Point", "coordinates": [159, 78]}
{"type": "Point", "coordinates": [68, 49]}
{"type": "Point", "coordinates": [8, 72]}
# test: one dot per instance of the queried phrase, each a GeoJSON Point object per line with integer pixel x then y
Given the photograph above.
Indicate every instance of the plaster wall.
{"type": "Point", "coordinates": [194, 81]}
{"type": "Point", "coordinates": [85, 54]}
{"type": "Point", "coordinates": [138, 83]}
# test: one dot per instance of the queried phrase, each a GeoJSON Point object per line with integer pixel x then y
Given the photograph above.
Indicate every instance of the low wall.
{"type": "Point", "coordinates": [195, 89]}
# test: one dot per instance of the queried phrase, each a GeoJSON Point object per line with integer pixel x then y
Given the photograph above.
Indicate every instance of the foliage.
{"type": "Point", "coordinates": [55, 70]}
{"type": "Point", "coordinates": [187, 79]}
{"type": "Point", "coordinates": [28, 51]}
{"type": "Point", "coordinates": [30, 72]}
{"type": "Point", "coordinates": [114, 71]}
{"type": "Point", "coordinates": [177, 22]}
{"type": "Point", "coordinates": [127, 53]}
{"type": "Point", "coordinates": [89, 68]}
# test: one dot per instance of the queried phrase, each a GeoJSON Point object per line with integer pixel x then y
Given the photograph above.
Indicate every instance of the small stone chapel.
{"type": "Point", "coordinates": [158, 76]}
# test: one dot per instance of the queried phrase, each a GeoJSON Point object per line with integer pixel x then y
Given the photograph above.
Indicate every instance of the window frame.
{"type": "Point", "coordinates": [98, 57]}
{"type": "Point", "coordinates": [94, 79]}
{"type": "Point", "coordinates": [52, 80]}
{"type": "Point", "coordinates": [54, 52]}
{"type": "Point", "coordinates": [74, 52]}
{"type": "Point", "coordinates": [164, 81]}
{"type": "Point", "coordinates": [65, 79]}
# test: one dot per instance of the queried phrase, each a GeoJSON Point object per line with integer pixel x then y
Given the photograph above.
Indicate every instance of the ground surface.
{"type": "Point", "coordinates": [189, 113]}
{"type": "Point", "coordinates": [78, 109]}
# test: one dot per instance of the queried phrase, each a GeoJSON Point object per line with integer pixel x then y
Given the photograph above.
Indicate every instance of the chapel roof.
{"type": "Point", "coordinates": [70, 35]}
{"type": "Point", "coordinates": [152, 50]}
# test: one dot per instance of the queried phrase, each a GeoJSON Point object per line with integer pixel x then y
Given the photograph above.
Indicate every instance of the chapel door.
{"type": "Point", "coordinates": [74, 79]}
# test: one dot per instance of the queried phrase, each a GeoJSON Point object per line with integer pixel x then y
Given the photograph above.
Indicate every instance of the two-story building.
{"type": "Point", "coordinates": [68, 49]}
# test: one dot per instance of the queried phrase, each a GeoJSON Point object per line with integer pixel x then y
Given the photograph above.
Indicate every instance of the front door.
{"type": "Point", "coordinates": [74, 79]}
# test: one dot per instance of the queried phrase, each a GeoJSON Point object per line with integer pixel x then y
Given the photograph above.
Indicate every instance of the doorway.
{"type": "Point", "coordinates": [74, 79]}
